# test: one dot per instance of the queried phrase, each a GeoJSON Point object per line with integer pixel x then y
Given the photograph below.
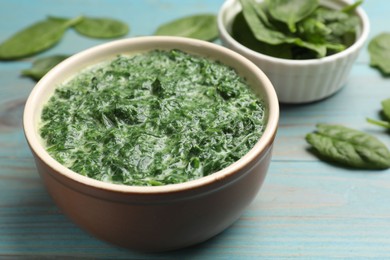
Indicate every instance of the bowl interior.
{"type": "Point", "coordinates": [65, 70]}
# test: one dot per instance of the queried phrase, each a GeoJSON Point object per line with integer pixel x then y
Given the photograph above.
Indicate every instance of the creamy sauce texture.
{"type": "Point", "coordinates": [156, 118]}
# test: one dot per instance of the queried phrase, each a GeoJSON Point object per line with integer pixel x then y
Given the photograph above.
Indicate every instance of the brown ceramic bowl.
{"type": "Point", "coordinates": [163, 217]}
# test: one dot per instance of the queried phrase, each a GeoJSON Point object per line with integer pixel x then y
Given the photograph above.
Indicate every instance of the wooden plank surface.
{"type": "Point", "coordinates": [306, 208]}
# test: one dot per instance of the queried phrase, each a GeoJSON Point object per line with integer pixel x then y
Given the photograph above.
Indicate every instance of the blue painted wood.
{"type": "Point", "coordinates": [306, 209]}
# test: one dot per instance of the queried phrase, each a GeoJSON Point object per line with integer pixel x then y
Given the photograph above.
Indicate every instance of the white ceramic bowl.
{"type": "Point", "coordinates": [299, 81]}
{"type": "Point", "coordinates": [162, 217]}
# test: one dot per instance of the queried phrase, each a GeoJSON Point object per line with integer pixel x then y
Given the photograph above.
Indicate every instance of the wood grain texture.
{"type": "Point", "coordinates": [307, 209]}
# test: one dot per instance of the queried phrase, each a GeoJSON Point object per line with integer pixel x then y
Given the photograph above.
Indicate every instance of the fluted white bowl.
{"type": "Point", "coordinates": [299, 81]}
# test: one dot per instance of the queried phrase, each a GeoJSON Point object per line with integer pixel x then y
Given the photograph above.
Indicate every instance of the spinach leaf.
{"type": "Point", "coordinates": [343, 26]}
{"type": "Point", "coordinates": [313, 30]}
{"type": "Point", "coordinates": [262, 12]}
{"type": "Point", "coordinates": [35, 38]}
{"type": "Point", "coordinates": [379, 50]}
{"type": "Point", "coordinates": [101, 27]}
{"type": "Point", "coordinates": [201, 26]}
{"type": "Point", "coordinates": [326, 15]}
{"type": "Point", "coordinates": [41, 66]}
{"type": "Point", "coordinates": [243, 34]}
{"type": "Point", "coordinates": [349, 147]}
{"type": "Point", "coordinates": [271, 35]}
{"type": "Point", "coordinates": [340, 25]}
{"type": "Point", "coordinates": [291, 11]}
{"type": "Point", "coordinates": [386, 115]}
{"type": "Point", "coordinates": [386, 108]}
{"type": "Point", "coordinates": [257, 25]}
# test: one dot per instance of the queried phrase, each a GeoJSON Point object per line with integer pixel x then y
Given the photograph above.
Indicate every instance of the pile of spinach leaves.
{"type": "Point", "coordinates": [295, 29]}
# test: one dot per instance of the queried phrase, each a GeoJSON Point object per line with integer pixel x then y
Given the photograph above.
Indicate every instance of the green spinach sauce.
{"type": "Point", "coordinates": [156, 118]}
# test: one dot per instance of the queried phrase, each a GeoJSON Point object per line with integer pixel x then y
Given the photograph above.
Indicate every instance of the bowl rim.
{"type": "Point", "coordinates": [265, 141]}
{"type": "Point", "coordinates": [361, 14]}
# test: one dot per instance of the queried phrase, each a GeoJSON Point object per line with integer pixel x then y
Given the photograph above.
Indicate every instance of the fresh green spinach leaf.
{"type": "Point", "coordinates": [35, 38]}
{"type": "Point", "coordinates": [379, 50]}
{"type": "Point", "coordinates": [326, 15]}
{"type": "Point", "coordinates": [101, 27]}
{"type": "Point", "coordinates": [262, 12]}
{"type": "Point", "coordinates": [201, 26]}
{"type": "Point", "coordinates": [41, 66]}
{"type": "Point", "coordinates": [291, 11]}
{"type": "Point", "coordinates": [386, 108]}
{"type": "Point", "coordinates": [243, 34]}
{"type": "Point", "coordinates": [341, 27]}
{"type": "Point", "coordinates": [271, 35]}
{"type": "Point", "coordinates": [313, 30]}
{"type": "Point", "coordinates": [349, 147]}
{"type": "Point", "coordinates": [257, 25]}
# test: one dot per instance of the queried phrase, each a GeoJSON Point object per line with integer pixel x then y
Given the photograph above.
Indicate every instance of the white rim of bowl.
{"type": "Point", "coordinates": [266, 139]}
{"type": "Point", "coordinates": [365, 25]}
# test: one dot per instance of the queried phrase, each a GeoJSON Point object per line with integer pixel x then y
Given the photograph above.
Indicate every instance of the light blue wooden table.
{"type": "Point", "coordinates": [306, 209]}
